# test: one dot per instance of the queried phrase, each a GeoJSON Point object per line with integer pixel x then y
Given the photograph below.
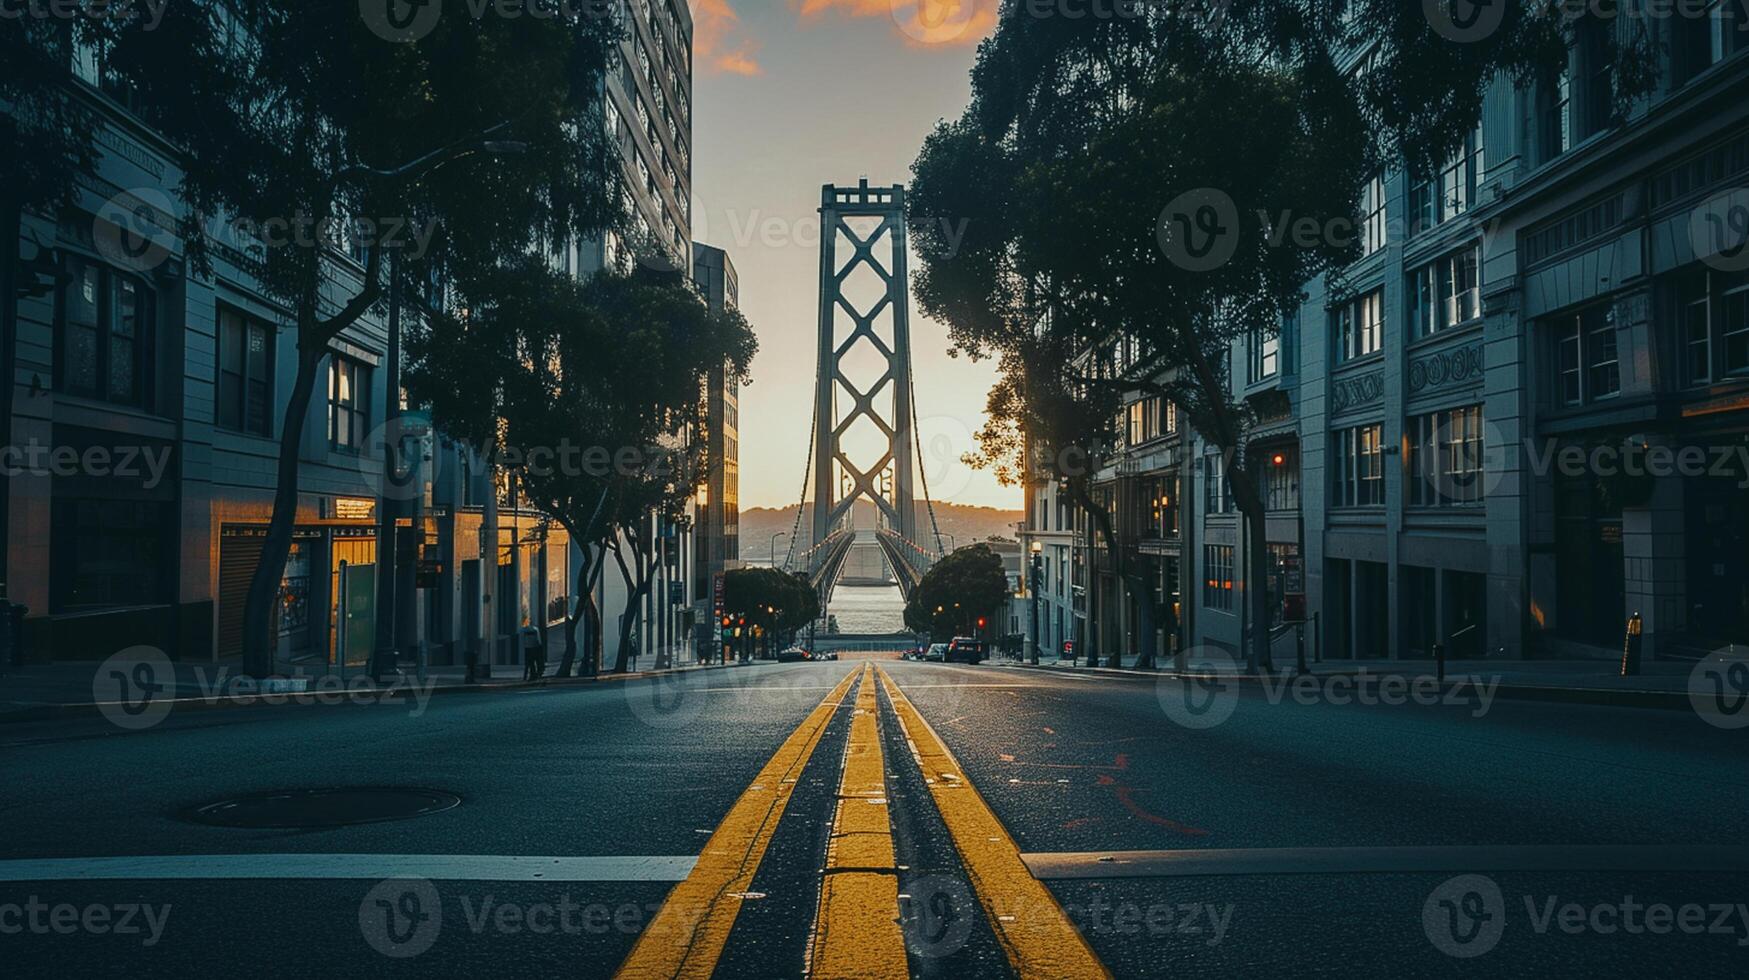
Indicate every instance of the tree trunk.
{"type": "Point", "coordinates": [258, 652]}
{"type": "Point", "coordinates": [637, 588]}
{"type": "Point", "coordinates": [1250, 503]}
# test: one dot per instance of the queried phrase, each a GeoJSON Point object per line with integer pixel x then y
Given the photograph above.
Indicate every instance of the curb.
{"type": "Point", "coordinates": [394, 691]}
{"type": "Point", "coordinates": [1597, 696]}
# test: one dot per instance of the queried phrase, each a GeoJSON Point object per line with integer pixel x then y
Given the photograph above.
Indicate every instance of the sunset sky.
{"type": "Point", "coordinates": [790, 95]}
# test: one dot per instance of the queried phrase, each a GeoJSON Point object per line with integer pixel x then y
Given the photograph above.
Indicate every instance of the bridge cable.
{"type": "Point", "coordinates": [807, 471]}
{"type": "Point", "coordinates": [922, 466]}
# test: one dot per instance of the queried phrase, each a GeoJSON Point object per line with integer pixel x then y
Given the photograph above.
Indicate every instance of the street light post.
{"type": "Point", "coordinates": [1038, 564]}
{"type": "Point", "coordinates": [774, 537]}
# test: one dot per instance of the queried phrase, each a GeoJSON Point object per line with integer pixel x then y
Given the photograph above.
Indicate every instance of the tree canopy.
{"type": "Point", "coordinates": [964, 586]}
{"type": "Point", "coordinates": [1126, 197]}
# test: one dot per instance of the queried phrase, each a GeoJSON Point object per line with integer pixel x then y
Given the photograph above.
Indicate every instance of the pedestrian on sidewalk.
{"type": "Point", "coordinates": [534, 652]}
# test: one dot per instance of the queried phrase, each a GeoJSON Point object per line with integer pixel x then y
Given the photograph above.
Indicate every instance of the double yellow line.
{"type": "Point", "coordinates": [856, 927]}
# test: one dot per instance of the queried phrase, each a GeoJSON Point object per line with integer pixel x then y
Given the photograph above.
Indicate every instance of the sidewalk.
{"type": "Point", "coordinates": [1660, 683]}
{"type": "Point", "coordinates": [39, 691]}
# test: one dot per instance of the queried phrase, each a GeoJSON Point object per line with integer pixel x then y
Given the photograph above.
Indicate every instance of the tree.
{"type": "Point", "coordinates": [1102, 220]}
{"type": "Point", "coordinates": [576, 388]}
{"type": "Point", "coordinates": [774, 602]}
{"type": "Point", "coordinates": [968, 585]}
{"type": "Point", "coordinates": [318, 146]}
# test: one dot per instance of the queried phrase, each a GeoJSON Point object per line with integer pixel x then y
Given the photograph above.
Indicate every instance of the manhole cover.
{"type": "Point", "coordinates": [315, 808]}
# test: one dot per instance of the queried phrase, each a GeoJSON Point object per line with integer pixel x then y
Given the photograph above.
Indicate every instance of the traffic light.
{"type": "Point", "coordinates": [980, 622]}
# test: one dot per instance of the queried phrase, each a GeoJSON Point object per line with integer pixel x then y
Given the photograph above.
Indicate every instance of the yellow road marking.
{"type": "Point", "coordinates": [1037, 937]}
{"type": "Point", "coordinates": [856, 929]}
{"type": "Point", "coordinates": [687, 936]}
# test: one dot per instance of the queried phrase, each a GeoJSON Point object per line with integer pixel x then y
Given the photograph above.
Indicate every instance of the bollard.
{"type": "Point", "coordinates": [1439, 662]}
{"type": "Point", "coordinates": [1630, 650]}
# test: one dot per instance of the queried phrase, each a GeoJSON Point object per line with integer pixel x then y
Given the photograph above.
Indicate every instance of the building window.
{"type": "Point", "coordinates": [110, 553]}
{"type": "Point", "coordinates": [106, 320]}
{"type": "Point", "coordinates": [1715, 327]}
{"type": "Point", "coordinates": [1451, 191]}
{"type": "Point", "coordinates": [1263, 353]}
{"type": "Point", "coordinates": [1282, 483]}
{"type": "Point", "coordinates": [1217, 587]}
{"type": "Point", "coordinates": [1555, 116]}
{"type": "Point", "coordinates": [1707, 37]}
{"type": "Point", "coordinates": [1217, 497]}
{"type": "Point", "coordinates": [1587, 361]}
{"type": "Point", "coordinates": [1358, 472]}
{"type": "Point", "coordinates": [245, 389]}
{"type": "Point", "coordinates": [1359, 327]}
{"type": "Point", "coordinates": [348, 404]}
{"type": "Point", "coordinates": [1445, 458]}
{"type": "Point", "coordinates": [1372, 216]}
{"type": "Point", "coordinates": [1445, 294]}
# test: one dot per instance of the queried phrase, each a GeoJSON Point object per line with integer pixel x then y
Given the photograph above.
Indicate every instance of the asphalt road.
{"type": "Point", "coordinates": [1474, 838]}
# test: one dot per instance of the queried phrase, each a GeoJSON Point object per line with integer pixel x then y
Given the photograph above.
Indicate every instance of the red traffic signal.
{"type": "Point", "coordinates": [980, 622]}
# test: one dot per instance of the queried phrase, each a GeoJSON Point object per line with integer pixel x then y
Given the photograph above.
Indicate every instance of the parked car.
{"type": "Point", "coordinates": [790, 655]}
{"type": "Point", "coordinates": [937, 652]}
{"type": "Point", "coordinates": [825, 655]}
{"type": "Point", "coordinates": [966, 650]}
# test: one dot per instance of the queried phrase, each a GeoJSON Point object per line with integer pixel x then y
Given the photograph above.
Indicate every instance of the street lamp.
{"type": "Point", "coordinates": [774, 537]}
{"type": "Point", "coordinates": [1038, 564]}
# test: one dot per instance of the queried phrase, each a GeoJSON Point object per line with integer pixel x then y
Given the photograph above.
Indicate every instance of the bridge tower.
{"type": "Point", "coordinates": [864, 360]}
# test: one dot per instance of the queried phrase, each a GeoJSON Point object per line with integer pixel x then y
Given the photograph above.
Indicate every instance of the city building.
{"type": "Point", "coordinates": [1523, 419]}
{"type": "Point", "coordinates": [717, 531]}
{"type": "Point", "coordinates": [647, 110]}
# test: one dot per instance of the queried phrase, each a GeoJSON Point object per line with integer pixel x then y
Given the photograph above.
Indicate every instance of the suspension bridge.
{"type": "Point", "coordinates": [864, 444]}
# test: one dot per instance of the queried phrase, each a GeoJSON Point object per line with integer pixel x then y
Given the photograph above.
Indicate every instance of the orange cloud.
{"type": "Point", "coordinates": [922, 23]}
{"type": "Point", "coordinates": [718, 41]}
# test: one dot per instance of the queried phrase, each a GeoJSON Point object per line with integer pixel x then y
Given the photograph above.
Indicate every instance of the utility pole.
{"type": "Point", "coordinates": [384, 660]}
{"type": "Point", "coordinates": [488, 578]}
{"type": "Point", "coordinates": [1038, 563]}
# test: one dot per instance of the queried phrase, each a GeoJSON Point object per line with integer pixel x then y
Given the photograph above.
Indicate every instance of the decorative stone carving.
{"type": "Point", "coordinates": [1459, 365]}
{"type": "Point", "coordinates": [1347, 393]}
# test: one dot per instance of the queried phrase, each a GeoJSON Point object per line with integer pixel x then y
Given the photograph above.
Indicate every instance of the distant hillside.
{"type": "Point", "coordinates": [965, 523]}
